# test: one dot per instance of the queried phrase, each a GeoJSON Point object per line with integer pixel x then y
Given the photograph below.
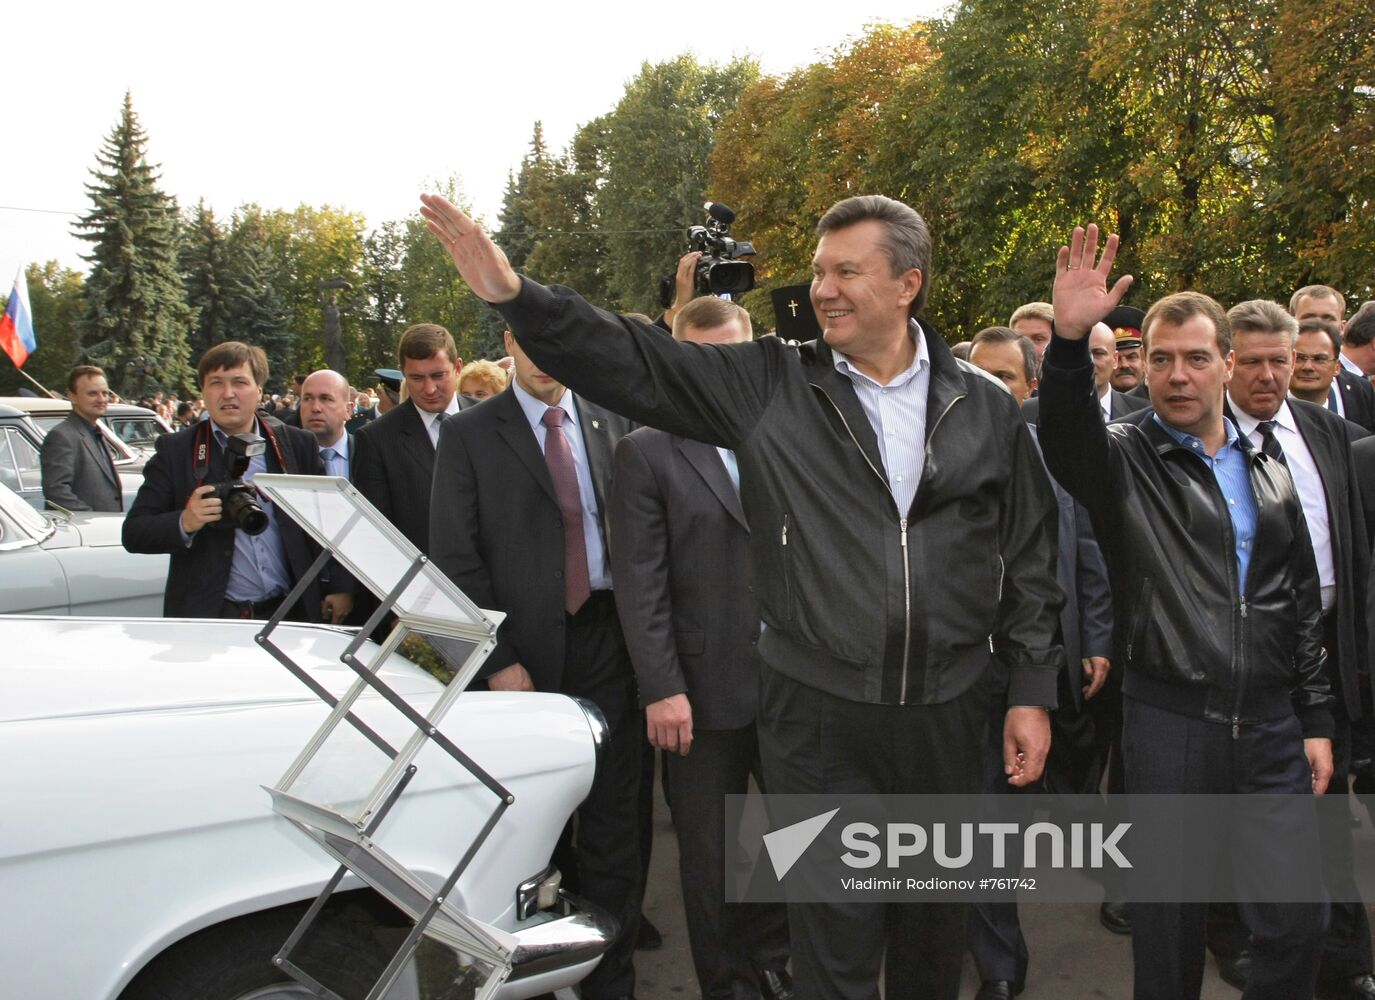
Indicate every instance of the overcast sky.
{"type": "Point", "coordinates": [345, 104]}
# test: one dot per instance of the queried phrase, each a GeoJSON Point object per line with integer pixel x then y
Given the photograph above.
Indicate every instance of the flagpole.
{"type": "Point", "coordinates": [51, 394]}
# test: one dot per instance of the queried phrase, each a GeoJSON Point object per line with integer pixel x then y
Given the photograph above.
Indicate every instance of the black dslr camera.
{"type": "Point", "coordinates": [720, 271]}
{"type": "Point", "coordinates": [240, 508]}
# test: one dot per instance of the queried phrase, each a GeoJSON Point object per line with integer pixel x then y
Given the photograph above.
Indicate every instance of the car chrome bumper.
{"type": "Point", "coordinates": [582, 933]}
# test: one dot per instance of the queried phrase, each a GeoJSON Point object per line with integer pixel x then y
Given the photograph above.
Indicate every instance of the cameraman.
{"type": "Point", "coordinates": [684, 288]}
{"type": "Point", "coordinates": [217, 570]}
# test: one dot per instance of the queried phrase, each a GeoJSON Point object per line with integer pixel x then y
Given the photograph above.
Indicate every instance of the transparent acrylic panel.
{"type": "Point", "coordinates": [362, 748]}
{"type": "Point", "coordinates": [371, 548]}
{"type": "Point", "coordinates": [350, 943]}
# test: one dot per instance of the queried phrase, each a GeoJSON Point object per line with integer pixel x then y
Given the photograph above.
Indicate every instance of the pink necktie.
{"type": "Point", "coordinates": [576, 588]}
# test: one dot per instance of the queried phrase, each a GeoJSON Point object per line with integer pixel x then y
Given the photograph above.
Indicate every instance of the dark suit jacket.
{"type": "Point", "coordinates": [1086, 618]}
{"type": "Point", "coordinates": [684, 586]}
{"type": "Point", "coordinates": [393, 466]}
{"type": "Point", "coordinates": [1121, 405]}
{"type": "Point", "coordinates": [1363, 466]}
{"type": "Point", "coordinates": [1328, 439]}
{"type": "Point", "coordinates": [197, 575]}
{"type": "Point", "coordinates": [1358, 398]}
{"type": "Point", "coordinates": [77, 471]}
{"type": "Point", "coordinates": [496, 530]}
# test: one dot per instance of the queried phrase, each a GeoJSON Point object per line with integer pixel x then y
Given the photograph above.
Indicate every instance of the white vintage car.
{"type": "Point", "coordinates": [58, 563]}
{"type": "Point", "coordinates": [141, 857]}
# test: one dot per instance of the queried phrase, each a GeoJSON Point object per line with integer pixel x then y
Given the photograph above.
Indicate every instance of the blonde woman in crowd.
{"type": "Point", "coordinates": [481, 379]}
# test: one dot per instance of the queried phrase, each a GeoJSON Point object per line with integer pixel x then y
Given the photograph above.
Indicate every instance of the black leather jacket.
{"type": "Point", "coordinates": [861, 600]}
{"type": "Point", "coordinates": [1191, 638]}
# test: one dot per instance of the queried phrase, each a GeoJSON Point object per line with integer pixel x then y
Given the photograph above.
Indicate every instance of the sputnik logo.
{"type": "Point", "coordinates": [785, 846]}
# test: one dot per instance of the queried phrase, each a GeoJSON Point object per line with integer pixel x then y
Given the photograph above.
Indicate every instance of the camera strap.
{"type": "Point", "coordinates": [201, 449]}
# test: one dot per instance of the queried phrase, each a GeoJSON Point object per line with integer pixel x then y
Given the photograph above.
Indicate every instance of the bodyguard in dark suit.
{"type": "Point", "coordinates": [1352, 396]}
{"type": "Point", "coordinates": [994, 930]}
{"type": "Point", "coordinates": [324, 409]}
{"type": "Point", "coordinates": [685, 595]}
{"type": "Point", "coordinates": [520, 487]}
{"type": "Point", "coordinates": [78, 473]}
{"type": "Point", "coordinates": [1315, 446]}
{"type": "Point", "coordinates": [216, 570]}
{"type": "Point", "coordinates": [393, 460]}
{"type": "Point", "coordinates": [1357, 399]}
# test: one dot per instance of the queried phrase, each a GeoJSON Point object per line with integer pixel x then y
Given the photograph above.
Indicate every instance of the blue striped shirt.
{"type": "Point", "coordinates": [1231, 469]}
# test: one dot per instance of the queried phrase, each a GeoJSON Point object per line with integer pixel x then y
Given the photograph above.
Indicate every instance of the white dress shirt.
{"type": "Point", "coordinates": [897, 412]}
{"type": "Point", "coordinates": [431, 420]}
{"type": "Point", "coordinates": [1105, 404]}
{"type": "Point", "coordinates": [1307, 482]}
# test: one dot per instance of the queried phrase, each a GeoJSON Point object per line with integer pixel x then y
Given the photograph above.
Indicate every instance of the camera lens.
{"type": "Point", "coordinates": [244, 512]}
{"type": "Point", "coordinates": [730, 277]}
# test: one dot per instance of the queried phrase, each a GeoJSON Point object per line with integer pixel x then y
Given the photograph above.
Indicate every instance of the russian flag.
{"type": "Point", "coordinates": [16, 327]}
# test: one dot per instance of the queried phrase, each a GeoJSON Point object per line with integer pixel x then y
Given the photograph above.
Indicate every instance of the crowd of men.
{"type": "Point", "coordinates": [1113, 549]}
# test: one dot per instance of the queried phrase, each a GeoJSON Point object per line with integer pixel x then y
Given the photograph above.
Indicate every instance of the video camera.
{"type": "Point", "coordinates": [239, 499]}
{"type": "Point", "coordinates": [720, 271]}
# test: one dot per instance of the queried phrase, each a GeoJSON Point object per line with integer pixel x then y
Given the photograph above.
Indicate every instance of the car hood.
{"type": "Point", "coordinates": [97, 529]}
{"type": "Point", "coordinates": [58, 666]}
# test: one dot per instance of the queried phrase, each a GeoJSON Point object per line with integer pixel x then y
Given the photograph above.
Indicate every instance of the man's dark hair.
{"type": "Point", "coordinates": [423, 341]}
{"type": "Point", "coordinates": [1360, 328]}
{"type": "Point", "coordinates": [232, 354]}
{"type": "Point", "coordinates": [906, 239]}
{"type": "Point", "coordinates": [81, 371]}
{"type": "Point", "coordinates": [1007, 335]}
{"type": "Point", "coordinates": [1333, 331]}
{"type": "Point", "coordinates": [1183, 306]}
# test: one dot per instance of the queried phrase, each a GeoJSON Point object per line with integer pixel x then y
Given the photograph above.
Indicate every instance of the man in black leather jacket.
{"type": "Point", "coordinates": [880, 587]}
{"type": "Point", "coordinates": [1219, 632]}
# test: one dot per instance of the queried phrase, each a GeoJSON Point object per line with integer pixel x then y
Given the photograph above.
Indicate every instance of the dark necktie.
{"type": "Point", "coordinates": [557, 455]}
{"type": "Point", "coordinates": [1269, 443]}
{"type": "Point", "coordinates": [109, 459]}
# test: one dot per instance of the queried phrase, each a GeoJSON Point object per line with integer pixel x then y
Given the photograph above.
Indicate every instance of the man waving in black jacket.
{"type": "Point", "coordinates": [1219, 618]}
{"type": "Point", "coordinates": [899, 520]}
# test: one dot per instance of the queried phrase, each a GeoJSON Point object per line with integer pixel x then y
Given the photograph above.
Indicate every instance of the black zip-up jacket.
{"type": "Point", "coordinates": [861, 600]}
{"type": "Point", "coordinates": [1191, 639]}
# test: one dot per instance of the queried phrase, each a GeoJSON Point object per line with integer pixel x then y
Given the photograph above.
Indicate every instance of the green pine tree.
{"type": "Point", "coordinates": [137, 317]}
{"type": "Point", "coordinates": [255, 308]}
{"type": "Point", "coordinates": [202, 261]}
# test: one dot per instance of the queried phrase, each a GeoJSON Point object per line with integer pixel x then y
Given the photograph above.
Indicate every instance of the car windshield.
{"type": "Point", "coordinates": [136, 432]}
{"type": "Point", "coordinates": [17, 511]}
{"type": "Point", "coordinates": [47, 421]}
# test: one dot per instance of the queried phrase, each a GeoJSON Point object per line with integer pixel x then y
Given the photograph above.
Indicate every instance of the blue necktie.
{"type": "Point", "coordinates": [332, 461]}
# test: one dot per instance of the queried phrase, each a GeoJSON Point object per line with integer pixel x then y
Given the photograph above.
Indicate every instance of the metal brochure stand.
{"type": "Point", "coordinates": [346, 780]}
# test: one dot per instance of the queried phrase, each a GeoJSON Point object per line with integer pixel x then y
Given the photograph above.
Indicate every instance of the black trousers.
{"type": "Point", "coordinates": [1346, 949]}
{"type": "Point", "coordinates": [1170, 753]}
{"type": "Point", "coordinates": [731, 942]}
{"type": "Point", "coordinates": [607, 827]}
{"type": "Point", "coordinates": [994, 930]}
{"type": "Point", "coordinates": [815, 743]}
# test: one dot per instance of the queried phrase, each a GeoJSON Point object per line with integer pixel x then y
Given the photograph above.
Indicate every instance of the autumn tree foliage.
{"type": "Point", "coordinates": [1228, 142]}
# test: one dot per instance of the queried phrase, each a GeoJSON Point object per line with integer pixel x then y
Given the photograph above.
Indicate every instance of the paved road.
{"type": "Point", "coordinates": [1072, 956]}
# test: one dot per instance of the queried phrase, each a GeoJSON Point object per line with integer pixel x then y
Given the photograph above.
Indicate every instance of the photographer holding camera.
{"type": "Point", "coordinates": [232, 556]}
